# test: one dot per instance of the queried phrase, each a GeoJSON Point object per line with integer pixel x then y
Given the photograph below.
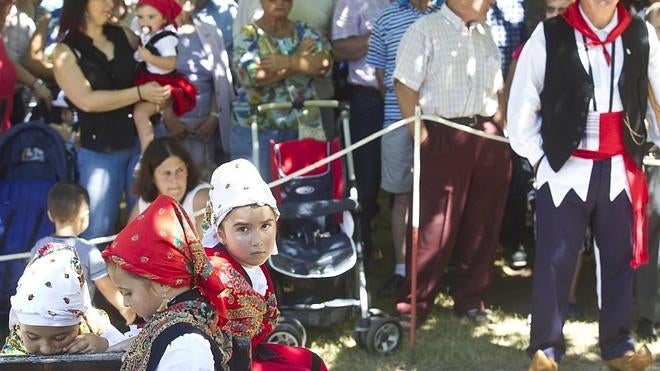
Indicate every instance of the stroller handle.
{"type": "Point", "coordinates": [321, 103]}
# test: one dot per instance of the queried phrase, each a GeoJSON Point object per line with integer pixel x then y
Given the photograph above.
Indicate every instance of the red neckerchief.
{"type": "Point", "coordinates": [574, 18]}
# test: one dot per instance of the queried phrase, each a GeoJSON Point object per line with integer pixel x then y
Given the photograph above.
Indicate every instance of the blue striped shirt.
{"type": "Point", "coordinates": [388, 29]}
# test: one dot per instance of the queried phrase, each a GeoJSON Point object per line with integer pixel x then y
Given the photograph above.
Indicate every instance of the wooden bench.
{"type": "Point", "coordinates": [62, 362]}
{"type": "Point", "coordinates": [241, 360]}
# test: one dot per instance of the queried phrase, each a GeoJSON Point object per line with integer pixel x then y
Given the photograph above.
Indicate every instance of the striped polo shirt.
{"type": "Point", "coordinates": [387, 31]}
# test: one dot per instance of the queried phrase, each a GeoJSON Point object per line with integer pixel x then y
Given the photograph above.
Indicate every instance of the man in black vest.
{"type": "Point", "coordinates": [579, 119]}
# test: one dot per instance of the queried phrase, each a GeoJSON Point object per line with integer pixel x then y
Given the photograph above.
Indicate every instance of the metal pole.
{"type": "Point", "coordinates": [415, 228]}
{"type": "Point", "coordinates": [254, 130]}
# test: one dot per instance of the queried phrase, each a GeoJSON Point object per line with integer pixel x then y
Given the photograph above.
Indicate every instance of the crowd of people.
{"type": "Point", "coordinates": [157, 93]}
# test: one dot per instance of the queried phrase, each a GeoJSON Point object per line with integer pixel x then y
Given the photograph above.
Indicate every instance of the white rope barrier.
{"type": "Point", "coordinates": [333, 157]}
{"type": "Point", "coordinates": [651, 161]}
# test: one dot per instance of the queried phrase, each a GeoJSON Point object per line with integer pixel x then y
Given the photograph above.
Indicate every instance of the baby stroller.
{"type": "Point", "coordinates": [319, 272]}
{"type": "Point", "coordinates": [33, 157]}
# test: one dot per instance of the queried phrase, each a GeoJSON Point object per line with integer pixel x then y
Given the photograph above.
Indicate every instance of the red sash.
{"type": "Point", "coordinates": [611, 144]}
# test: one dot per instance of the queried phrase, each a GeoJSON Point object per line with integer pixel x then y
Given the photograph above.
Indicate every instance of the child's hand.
{"type": "Point", "coordinates": [144, 53]}
{"type": "Point", "coordinates": [87, 343]}
{"type": "Point", "coordinates": [122, 346]}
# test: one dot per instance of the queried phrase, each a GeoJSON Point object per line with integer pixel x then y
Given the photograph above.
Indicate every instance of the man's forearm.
{"type": "Point", "coordinates": [351, 48]}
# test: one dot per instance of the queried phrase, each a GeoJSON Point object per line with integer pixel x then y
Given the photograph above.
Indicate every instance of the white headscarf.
{"type": "Point", "coordinates": [51, 291]}
{"type": "Point", "coordinates": [234, 184]}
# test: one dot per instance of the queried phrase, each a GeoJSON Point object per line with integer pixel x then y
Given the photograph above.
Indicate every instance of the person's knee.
{"type": "Point", "coordinates": [401, 201]}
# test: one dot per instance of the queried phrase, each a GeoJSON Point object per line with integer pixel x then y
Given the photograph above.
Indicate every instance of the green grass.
{"type": "Point", "coordinates": [447, 343]}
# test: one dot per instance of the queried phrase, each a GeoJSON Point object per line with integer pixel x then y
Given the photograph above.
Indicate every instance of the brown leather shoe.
{"type": "Point", "coordinates": [541, 362]}
{"type": "Point", "coordinates": [637, 361]}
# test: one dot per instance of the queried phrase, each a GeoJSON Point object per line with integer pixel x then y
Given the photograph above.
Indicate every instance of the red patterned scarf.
{"type": "Point", "coordinates": [160, 245]}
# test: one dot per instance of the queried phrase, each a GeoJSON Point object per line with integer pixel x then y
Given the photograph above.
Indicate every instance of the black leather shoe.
{"type": "Point", "coordinates": [391, 286]}
{"type": "Point", "coordinates": [646, 330]}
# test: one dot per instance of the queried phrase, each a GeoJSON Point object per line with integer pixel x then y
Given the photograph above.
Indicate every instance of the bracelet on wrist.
{"type": "Point", "coordinates": [139, 94]}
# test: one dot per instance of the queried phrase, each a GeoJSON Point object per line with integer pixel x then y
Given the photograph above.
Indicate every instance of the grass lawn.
{"type": "Point", "coordinates": [447, 343]}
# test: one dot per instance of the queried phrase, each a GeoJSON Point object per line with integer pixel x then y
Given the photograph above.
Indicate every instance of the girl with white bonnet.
{"type": "Point", "coordinates": [239, 235]}
{"type": "Point", "coordinates": [51, 312]}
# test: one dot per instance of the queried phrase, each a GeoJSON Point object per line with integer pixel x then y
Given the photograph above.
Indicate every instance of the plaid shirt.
{"type": "Point", "coordinates": [506, 19]}
{"type": "Point", "coordinates": [454, 68]}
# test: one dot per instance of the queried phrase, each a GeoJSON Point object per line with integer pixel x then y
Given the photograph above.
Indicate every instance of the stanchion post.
{"type": "Point", "coordinates": [415, 229]}
{"type": "Point", "coordinates": [254, 130]}
{"type": "Point", "coordinates": [348, 141]}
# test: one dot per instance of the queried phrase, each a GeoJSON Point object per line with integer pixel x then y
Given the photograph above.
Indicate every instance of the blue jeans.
{"type": "Point", "coordinates": [241, 145]}
{"type": "Point", "coordinates": [107, 176]}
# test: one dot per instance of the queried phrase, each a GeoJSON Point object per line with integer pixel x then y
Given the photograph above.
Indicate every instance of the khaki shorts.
{"type": "Point", "coordinates": [396, 156]}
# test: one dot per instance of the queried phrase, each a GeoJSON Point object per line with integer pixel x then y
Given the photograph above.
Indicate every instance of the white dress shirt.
{"type": "Point", "coordinates": [524, 120]}
{"type": "Point", "coordinates": [189, 352]}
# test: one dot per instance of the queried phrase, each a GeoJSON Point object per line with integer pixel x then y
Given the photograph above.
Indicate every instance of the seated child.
{"type": "Point", "coordinates": [161, 270]}
{"type": "Point", "coordinates": [51, 311]}
{"type": "Point", "coordinates": [240, 228]}
{"type": "Point", "coordinates": [68, 209]}
{"type": "Point", "coordinates": [158, 52]}
{"type": "Point", "coordinates": [65, 125]}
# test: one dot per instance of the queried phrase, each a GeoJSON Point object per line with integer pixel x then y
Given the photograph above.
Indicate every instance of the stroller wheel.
{"type": "Point", "coordinates": [364, 324]}
{"type": "Point", "coordinates": [384, 335]}
{"type": "Point", "coordinates": [289, 331]}
{"type": "Point", "coordinates": [360, 338]}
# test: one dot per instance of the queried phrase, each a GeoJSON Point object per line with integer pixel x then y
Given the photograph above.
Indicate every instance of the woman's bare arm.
{"type": "Point", "coordinates": [77, 88]}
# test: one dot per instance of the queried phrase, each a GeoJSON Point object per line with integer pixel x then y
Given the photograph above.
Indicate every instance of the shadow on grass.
{"type": "Point", "coordinates": [447, 343]}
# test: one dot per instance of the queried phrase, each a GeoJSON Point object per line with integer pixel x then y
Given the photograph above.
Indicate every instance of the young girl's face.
{"type": "Point", "coordinates": [248, 233]}
{"type": "Point", "coordinates": [148, 16]}
{"type": "Point", "coordinates": [45, 339]}
{"type": "Point", "coordinates": [139, 293]}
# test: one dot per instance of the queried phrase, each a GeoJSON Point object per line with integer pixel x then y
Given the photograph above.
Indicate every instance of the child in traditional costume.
{"type": "Point", "coordinates": [51, 312]}
{"type": "Point", "coordinates": [240, 228]}
{"type": "Point", "coordinates": [163, 273]}
{"type": "Point", "coordinates": [156, 19]}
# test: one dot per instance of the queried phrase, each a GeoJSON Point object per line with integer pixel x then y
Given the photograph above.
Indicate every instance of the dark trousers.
{"type": "Point", "coordinates": [516, 230]}
{"type": "Point", "coordinates": [366, 118]}
{"type": "Point", "coordinates": [464, 182]}
{"type": "Point", "coordinates": [559, 236]}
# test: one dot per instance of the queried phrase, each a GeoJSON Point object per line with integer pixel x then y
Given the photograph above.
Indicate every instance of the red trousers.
{"type": "Point", "coordinates": [464, 183]}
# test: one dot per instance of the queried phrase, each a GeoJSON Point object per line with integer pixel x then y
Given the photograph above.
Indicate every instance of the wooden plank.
{"type": "Point", "coordinates": [62, 362]}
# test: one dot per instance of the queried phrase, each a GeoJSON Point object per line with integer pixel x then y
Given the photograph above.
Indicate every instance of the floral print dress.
{"type": "Point", "coordinates": [250, 45]}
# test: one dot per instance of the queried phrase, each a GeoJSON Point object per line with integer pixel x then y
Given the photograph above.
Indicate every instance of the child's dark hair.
{"type": "Point", "coordinates": [65, 199]}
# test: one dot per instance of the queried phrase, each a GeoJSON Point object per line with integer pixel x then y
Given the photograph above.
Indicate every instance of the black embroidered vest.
{"type": "Point", "coordinates": [568, 88]}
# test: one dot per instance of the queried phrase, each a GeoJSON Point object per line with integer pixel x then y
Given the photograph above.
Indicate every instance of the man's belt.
{"type": "Point", "coordinates": [470, 121]}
